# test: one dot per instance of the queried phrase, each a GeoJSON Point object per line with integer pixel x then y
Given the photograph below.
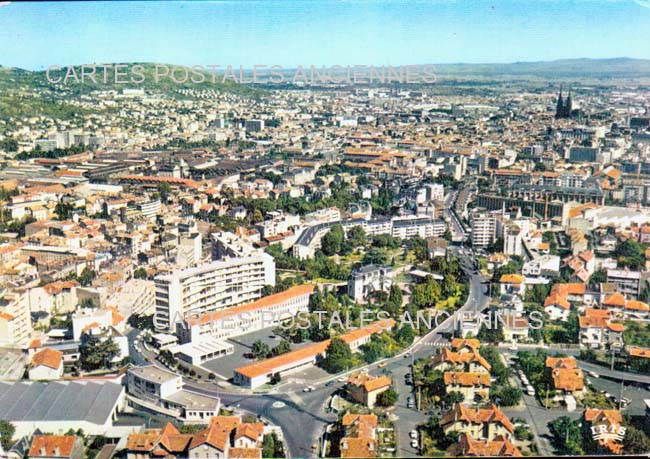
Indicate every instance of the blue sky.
{"type": "Point", "coordinates": [291, 32]}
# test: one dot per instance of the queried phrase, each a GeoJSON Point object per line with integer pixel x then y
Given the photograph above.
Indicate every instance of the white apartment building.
{"type": "Point", "coordinates": [512, 240]}
{"type": "Point", "coordinates": [247, 318]}
{"type": "Point", "coordinates": [15, 319]}
{"type": "Point", "coordinates": [329, 215]}
{"type": "Point", "coordinates": [483, 229]}
{"type": "Point", "coordinates": [406, 228]}
{"type": "Point", "coordinates": [195, 291]}
{"type": "Point", "coordinates": [136, 297]}
{"type": "Point", "coordinates": [545, 265]}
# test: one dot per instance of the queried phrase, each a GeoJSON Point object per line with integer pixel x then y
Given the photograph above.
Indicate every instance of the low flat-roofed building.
{"type": "Point", "coordinates": [159, 390]}
{"type": "Point", "coordinates": [258, 374]}
{"type": "Point", "coordinates": [202, 351]}
{"type": "Point", "coordinates": [58, 406]}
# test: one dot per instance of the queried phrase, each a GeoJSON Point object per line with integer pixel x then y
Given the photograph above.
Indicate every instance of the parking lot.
{"type": "Point", "coordinates": [224, 366]}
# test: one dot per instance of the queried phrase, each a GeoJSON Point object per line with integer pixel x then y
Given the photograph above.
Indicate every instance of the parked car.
{"type": "Point", "coordinates": [414, 444]}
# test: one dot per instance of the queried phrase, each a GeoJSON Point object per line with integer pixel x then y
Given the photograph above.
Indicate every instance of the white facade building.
{"type": "Point", "coordinates": [210, 287]}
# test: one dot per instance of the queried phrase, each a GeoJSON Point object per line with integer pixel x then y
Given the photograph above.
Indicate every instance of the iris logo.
{"type": "Point", "coordinates": [605, 432]}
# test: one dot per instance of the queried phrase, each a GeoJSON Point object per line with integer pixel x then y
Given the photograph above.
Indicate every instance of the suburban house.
{"type": "Point", "coordinates": [471, 362]}
{"type": "Point", "coordinates": [558, 303]}
{"type": "Point", "coordinates": [226, 437]}
{"type": "Point", "coordinates": [608, 420]}
{"type": "Point", "coordinates": [468, 447]}
{"type": "Point", "coordinates": [557, 306]}
{"type": "Point", "coordinates": [46, 364]}
{"type": "Point", "coordinates": [513, 283]}
{"type": "Point", "coordinates": [470, 385]}
{"type": "Point", "coordinates": [360, 436]}
{"type": "Point", "coordinates": [56, 447]}
{"type": "Point", "coordinates": [620, 307]}
{"type": "Point", "coordinates": [515, 328]}
{"type": "Point", "coordinates": [364, 388]}
{"type": "Point", "coordinates": [484, 423]}
{"type": "Point", "coordinates": [568, 379]}
{"type": "Point", "coordinates": [167, 442]}
{"type": "Point", "coordinates": [598, 331]}
{"type": "Point", "coordinates": [462, 345]}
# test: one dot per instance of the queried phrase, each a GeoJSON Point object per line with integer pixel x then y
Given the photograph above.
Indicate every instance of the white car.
{"type": "Point", "coordinates": [414, 444]}
{"type": "Point", "coordinates": [413, 434]}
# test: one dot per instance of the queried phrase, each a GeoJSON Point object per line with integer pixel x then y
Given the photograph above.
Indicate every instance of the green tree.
{"type": "Point", "coordinates": [426, 294]}
{"type": "Point", "coordinates": [283, 347]}
{"type": "Point", "coordinates": [7, 431]}
{"type": "Point", "coordinates": [395, 299]}
{"type": "Point", "coordinates": [357, 236]}
{"type": "Point", "coordinates": [332, 241]}
{"type": "Point", "coordinates": [338, 356]}
{"type": "Point", "coordinates": [140, 273]}
{"type": "Point", "coordinates": [260, 349]}
{"type": "Point", "coordinates": [64, 210]}
{"type": "Point", "coordinates": [567, 436]}
{"type": "Point", "coordinates": [387, 398]}
{"type": "Point", "coordinates": [164, 189]}
{"type": "Point", "coordinates": [96, 353]}
{"type": "Point", "coordinates": [630, 254]}
{"type": "Point", "coordinates": [635, 441]}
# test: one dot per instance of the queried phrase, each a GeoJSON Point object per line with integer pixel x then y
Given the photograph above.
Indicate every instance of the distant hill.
{"type": "Point", "coordinates": [621, 67]}
{"type": "Point", "coordinates": [13, 77]}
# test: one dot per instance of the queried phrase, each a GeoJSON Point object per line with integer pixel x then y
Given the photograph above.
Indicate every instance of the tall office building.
{"type": "Point", "coordinates": [190, 292]}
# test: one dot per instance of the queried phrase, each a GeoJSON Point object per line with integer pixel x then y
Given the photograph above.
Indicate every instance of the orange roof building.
{"type": "Point", "coordinates": [469, 447]}
{"type": "Point", "coordinates": [46, 364]}
{"type": "Point", "coordinates": [483, 423]}
{"type": "Point", "coordinates": [259, 373]}
{"type": "Point", "coordinates": [56, 446]}
{"type": "Point", "coordinates": [612, 420]}
{"type": "Point", "coordinates": [360, 435]}
{"type": "Point", "coordinates": [364, 388]}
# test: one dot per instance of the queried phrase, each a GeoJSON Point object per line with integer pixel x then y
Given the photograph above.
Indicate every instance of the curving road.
{"type": "Point", "coordinates": [302, 415]}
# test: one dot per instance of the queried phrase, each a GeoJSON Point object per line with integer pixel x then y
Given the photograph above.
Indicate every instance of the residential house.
{"type": "Point", "coordinates": [364, 388]}
{"type": "Point", "coordinates": [605, 421]}
{"type": "Point", "coordinates": [360, 437]}
{"type": "Point", "coordinates": [56, 447]}
{"type": "Point", "coordinates": [468, 447]}
{"type": "Point", "coordinates": [568, 379]}
{"type": "Point", "coordinates": [482, 423]}
{"type": "Point", "coordinates": [471, 385]}
{"type": "Point", "coordinates": [513, 283]}
{"type": "Point", "coordinates": [597, 330]}
{"type": "Point", "coordinates": [165, 443]}
{"type": "Point", "coordinates": [471, 362]}
{"type": "Point", "coordinates": [515, 329]}
{"type": "Point", "coordinates": [462, 345]}
{"type": "Point", "coordinates": [46, 364]}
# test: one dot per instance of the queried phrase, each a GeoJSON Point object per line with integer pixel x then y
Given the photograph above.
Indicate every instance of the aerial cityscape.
{"type": "Point", "coordinates": [324, 229]}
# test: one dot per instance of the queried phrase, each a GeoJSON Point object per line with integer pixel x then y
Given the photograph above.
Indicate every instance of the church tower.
{"type": "Point", "coordinates": [568, 106]}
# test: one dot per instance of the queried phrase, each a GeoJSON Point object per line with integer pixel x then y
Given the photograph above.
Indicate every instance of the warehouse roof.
{"type": "Point", "coordinates": [61, 400]}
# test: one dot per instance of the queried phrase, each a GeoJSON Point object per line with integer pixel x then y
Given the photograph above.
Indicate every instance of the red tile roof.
{"type": "Point", "coordinates": [52, 446]}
